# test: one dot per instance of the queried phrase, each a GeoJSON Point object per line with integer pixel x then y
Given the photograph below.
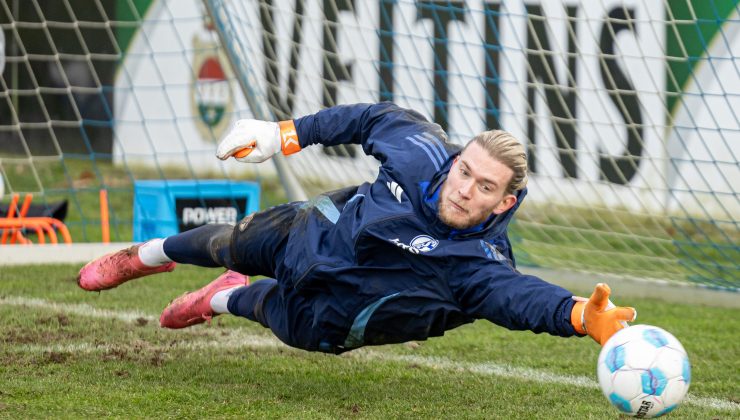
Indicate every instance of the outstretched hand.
{"type": "Point", "coordinates": [251, 141]}
{"type": "Point", "coordinates": [598, 317]}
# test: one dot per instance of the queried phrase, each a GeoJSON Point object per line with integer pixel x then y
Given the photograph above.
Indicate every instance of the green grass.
{"type": "Point", "coordinates": [61, 362]}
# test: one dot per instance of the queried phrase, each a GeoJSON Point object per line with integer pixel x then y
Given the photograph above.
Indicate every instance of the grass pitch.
{"type": "Point", "coordinates": [67, 353]}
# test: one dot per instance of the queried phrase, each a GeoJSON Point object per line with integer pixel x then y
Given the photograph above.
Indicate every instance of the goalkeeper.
{"type": "Point", "coordinates": [421, 250]}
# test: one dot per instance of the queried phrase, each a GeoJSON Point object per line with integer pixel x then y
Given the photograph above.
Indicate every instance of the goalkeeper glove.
{"type": "Point", "coordinates": [598, 317]}
{"type": "Point", "coordinates": [256, 141]}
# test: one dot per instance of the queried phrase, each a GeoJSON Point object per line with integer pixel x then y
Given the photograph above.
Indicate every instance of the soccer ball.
{"type": "Point", "coordinates": [644, 371]}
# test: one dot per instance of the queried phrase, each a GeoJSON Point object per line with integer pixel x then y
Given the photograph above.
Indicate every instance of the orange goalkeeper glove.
{"type": "Point", "coordinates": [598, 317]}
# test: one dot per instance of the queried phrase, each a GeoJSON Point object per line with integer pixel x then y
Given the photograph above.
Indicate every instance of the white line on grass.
{"type": "Point", "coordinates": [534, 375]}
{"type": "Point", "coordinates": [488, 368]}
{"type": "Point", "coordinates": [76, 308]}
{"type": "Point", "coordinates": [241, 339]}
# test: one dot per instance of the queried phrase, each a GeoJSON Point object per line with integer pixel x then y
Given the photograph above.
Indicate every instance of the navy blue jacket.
{"type": "Point", "coordinates": [382, 265]}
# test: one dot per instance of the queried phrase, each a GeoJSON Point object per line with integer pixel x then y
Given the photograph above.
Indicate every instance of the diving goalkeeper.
{"type": "Point", "coordinates": [419, 251]}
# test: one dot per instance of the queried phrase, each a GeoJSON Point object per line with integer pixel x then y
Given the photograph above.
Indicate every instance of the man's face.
{"type": "Point", "coordinates": [474, 189]}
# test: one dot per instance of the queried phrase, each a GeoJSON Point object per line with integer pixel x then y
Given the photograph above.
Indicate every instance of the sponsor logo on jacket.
{"type": "Point", "coordinates": [421, 243]}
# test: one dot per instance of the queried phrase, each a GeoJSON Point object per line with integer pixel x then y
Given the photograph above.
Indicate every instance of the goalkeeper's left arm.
{"type": "Point", "coordinates": [523, 302]}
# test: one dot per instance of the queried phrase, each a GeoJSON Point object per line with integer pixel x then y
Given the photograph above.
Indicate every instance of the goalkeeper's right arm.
{"type": "Point", "coordinates": [382, 129]}
{"type": "Point", "coordinates": [410, 148]}
{"type": "Point", "coordinates": [256, 141]}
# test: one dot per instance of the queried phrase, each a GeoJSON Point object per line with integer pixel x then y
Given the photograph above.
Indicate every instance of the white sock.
{"type": "Point", "coordinates": [220, 300]}
{"type": "Point", "coordinates": [152, 253]}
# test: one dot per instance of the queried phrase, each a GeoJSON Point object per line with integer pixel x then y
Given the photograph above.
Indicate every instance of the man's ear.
{"type": "Point", "coordinates": [506, 203]}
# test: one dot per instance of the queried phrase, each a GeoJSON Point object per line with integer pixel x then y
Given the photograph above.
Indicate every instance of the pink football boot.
{"type": "Point", "coordinates": [195, 307]}
{"type": "Point", "coordinates": [114, 269]}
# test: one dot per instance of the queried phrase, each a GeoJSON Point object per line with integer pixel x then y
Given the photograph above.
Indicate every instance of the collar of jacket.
{"type": "Point", "coordinates": [494, 226]}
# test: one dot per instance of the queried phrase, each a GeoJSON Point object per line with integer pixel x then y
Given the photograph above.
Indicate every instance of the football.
{"type": "Point", "coordinates": [644, 371]}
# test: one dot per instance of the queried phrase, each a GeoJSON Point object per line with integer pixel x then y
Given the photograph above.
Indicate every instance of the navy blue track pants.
{"type": "Point", "coordinates": [255, 246]}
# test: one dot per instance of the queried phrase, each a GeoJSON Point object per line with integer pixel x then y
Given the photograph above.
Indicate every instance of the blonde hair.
{"type": "Point", "coordinates": [503, 147]}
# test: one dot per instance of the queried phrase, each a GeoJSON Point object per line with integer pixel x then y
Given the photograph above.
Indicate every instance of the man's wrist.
{"type": "Point", "coordinates": [288, 138]}
{"type": "Point", "coordinates": [576, 317]}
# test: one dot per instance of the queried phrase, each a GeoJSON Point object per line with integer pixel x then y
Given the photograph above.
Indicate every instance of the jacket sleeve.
{"type": "Point", "coordinates": [515, 301]}
{"type": "Point", "coordinates": [401, 139]}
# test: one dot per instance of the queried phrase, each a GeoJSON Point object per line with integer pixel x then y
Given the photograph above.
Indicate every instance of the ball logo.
{"type": "Point", "coordinates": [644, 408]}
{"type": "Point", "coordinates": [424, 243]}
